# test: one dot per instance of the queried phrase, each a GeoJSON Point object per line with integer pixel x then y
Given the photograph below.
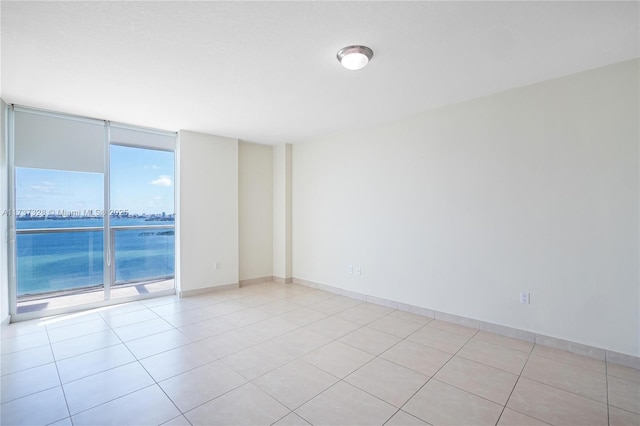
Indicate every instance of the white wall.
{"type": "Point", "coordinates": [4, 200]}
{"type": "Point", "coordinates": [208, 220]}
{"type": "Point", "coordinates": [282, 225]}
{"type": "Point", "coordinates": [255, 203]}
{"type": "Point", "coordinates": [460, 209]}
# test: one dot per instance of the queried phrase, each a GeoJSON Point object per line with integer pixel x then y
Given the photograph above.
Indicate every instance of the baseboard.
{"type": "Point", "coordinates": [258, 280]}
{"type": "Point", "coordinates": [540, 339]}
{"type": "Point", "coordinates": [282, 280]}
{"type": "Point", "coordinates": [200, 291]}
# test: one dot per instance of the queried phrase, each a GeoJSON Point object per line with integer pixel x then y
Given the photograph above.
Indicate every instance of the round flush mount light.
{"type": "Point", "coordinates": [354, 57]}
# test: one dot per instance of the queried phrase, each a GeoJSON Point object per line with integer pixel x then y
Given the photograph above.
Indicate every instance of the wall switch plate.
{"type": "Point", "coordinates": [525, 297]}
{"type": "Point", "coordinates": [350, 269]}
{"type": "Point", "coordinates": [359, 270]}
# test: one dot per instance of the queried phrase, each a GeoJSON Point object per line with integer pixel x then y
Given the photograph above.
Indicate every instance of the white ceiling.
{"type": "Point", "coordinates": [266, 71]}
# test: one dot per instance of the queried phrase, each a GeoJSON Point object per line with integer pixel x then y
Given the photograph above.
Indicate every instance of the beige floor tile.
{"type": "Point", "coordinates": [303, 316]}
{"type": "Point", "coordinates": [410, 316]}
{"type": "Point", "coordinates": [618, 417]}
{"type": "Point", "coordinates": [177, 361]}
{"type": "Point", "coordinates": [581, 361]}
{"type": "Point", "coordinates": [568, 377]}
{"type": "Point", "coordinates": [121, 308]}
{"type": "Point", "coordinates": [29, 358]}
{"type": "Point", "coordinates": [228, 343]}
{"type": "Point", "coordinates": [202, 384]}
{"type": "Point", "coordinates": [395, 326]}
{"type": "Point", "coordinates": [453, 328]}
{"type": "Point", "coordinates": [77, 330]}
{"type": "Point", "coordinates": [23, 342]}
{"type": "Point", "coordinates": [116, 320]}
{"type": "Point", "coordinates": [291, 352]}
{"type": "Point", "coordinates": [555, 406]}
{"type": "Point", "coordinates": [335, 305]}
{"type": "Point", "coordinates": [402, 418]}
{"type": "Point", "coordinates": [388, 381]}
{"type": "Point", "coordinates": [63, 422]}
{"type": "Point", "coordinates": [177, 421]}
{"type": "Point", "coordinates": [184, 318]}
{"type": "Point", "coordinates": [270, 328]}
{"type": "Point", "coordinates": [509, 342]}
{"type": "Point", "coordinates": [311, 297]}
{"type": "Point", "coordinates": [260, 359]}
{"type": "Point", "coordinates": [225, 308]}
{"type": "Point", "coordinates": [27, 382]}
{"type": "Point", "coordinates": [624, 394]}
{"type": "Point", "coordinates": [210, 299]}
{"type": "Point", "coordinates": [344, 404]}
{"type": "Point", "coordinates": [70, 319]}
{"type": "Point", "coordinates": [148, 406]}
{"type": "Point", "coordinates": [439, 339]}
{"type": "Point", "coordinates": [295, 383]}
{"type": "Point", "coordinates": [278, 307]}
{"type": "Point", "coordinates": [333, 327]}
{"type": "Point", "coordinates": [94, 390]}
{"type": "Point", "coordinates": [417, 357]}
{"type": "Point", "coordinates": [84, 365]}
{"type": "Point", "coordinates": [301, 341]}
{"type": "Point", "coordinates": [246, 405]}
{"type": "Point", "coordinates": [208, 328]}
{"type": "Point", "coordinates": [159, 301]}
{"type": "Point", "coordinates": [364, 313]}
{"type": "Point", "coordinates": [22, 328]}
{"type": "Point", "coordinates": [338, 359]}
{"type": "Point", "coordinates": [40, 408]}
{"type": "Point", "coordinates": [497, 356]}
{"type": "Point", "coordinates": [84, 344]}
{"type": "Point", "coordinates": [157, 343]}
{"type": "Point", "coordinates": [441, 404]}
{"type": "Point", "coordinates": [488, 382]}
{"type": "Point", "coordinates": [369, 340]}
{"type": "Point", "coordinates": [245, 317]}
{"type": "Point", "coordinates": [291, 419]}
{"type": "Point", "coordinates": [513, 418]}
{"type": "Point", "coordinates": [257, 299]}
{"type": "Point", "coordinates": [623, 372]}
{"type": "Point", "coordinates": [181, 305]}
{"type": "Point", "coordinates": [143, 329]}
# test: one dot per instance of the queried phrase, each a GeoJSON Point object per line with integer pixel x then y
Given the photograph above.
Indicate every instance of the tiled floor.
{"type": "Point", "coordinates": [291, 355]}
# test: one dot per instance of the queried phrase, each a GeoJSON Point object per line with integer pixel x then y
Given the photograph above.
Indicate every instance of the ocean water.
{"type": "Point", "coordinates": [68, 260]}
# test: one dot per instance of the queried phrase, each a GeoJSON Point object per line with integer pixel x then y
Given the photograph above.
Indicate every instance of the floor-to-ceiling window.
{"type": "Point", "coordinates": [93, 206]}
{"type": "Point", "coordinates": [141, 197]}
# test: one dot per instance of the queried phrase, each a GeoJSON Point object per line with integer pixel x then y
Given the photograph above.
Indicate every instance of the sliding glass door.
{"type": "Point", "coordinates": [59, 249]}
{"type": "Point", "coordinates": [142, 228]}
{"type": "Point", "coordinates": [92, 212]}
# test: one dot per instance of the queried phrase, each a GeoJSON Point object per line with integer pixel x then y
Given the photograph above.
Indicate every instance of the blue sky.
{"type": "Point", "coordinates": [142, 181]}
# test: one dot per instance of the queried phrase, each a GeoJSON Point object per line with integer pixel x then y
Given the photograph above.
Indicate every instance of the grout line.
{"type": "Point", "coordinates": [55, 363]}
{"type": "Point", "coordinates": [432, 376]}
{"type": "Point", "coordinates": [515, 385]}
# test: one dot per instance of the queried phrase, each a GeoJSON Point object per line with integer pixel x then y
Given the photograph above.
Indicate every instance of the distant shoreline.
{"type": "Point", "coordinates": [145, 218]}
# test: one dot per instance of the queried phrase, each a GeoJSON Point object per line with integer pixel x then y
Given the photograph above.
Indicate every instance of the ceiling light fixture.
{"type": "Point", "coordinates": [354, 57]}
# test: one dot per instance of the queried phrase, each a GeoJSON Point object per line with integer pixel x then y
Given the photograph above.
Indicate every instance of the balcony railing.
{"type": "Point", "coordinates": [62, 261]}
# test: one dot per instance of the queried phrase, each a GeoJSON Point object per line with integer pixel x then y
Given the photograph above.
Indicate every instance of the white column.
{"type": "Point", "coordinates": [282, 264]}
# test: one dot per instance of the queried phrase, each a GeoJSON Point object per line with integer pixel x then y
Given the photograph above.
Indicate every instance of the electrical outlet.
{"type": "Point", "coordinates": [525, 297]}
{"type": "Point", "coordinates": [350, 269]}
{"type": "Point", "coordinates": [359, 270]}
{"type": "Point", "coordinates": [216, 265]}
